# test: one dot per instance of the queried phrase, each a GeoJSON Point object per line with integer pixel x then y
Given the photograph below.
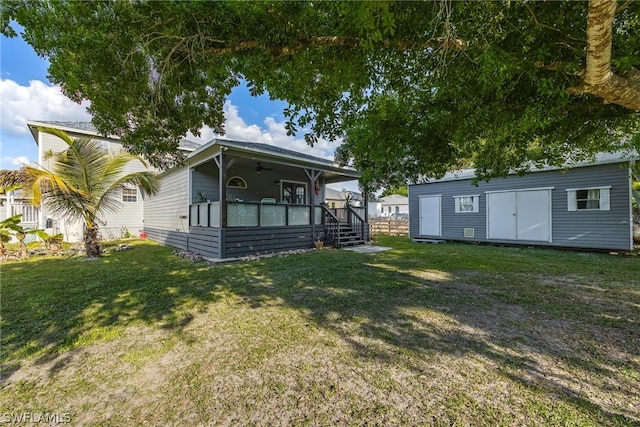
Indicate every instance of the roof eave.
{"type": "Point", "coordinates": [325, 165]}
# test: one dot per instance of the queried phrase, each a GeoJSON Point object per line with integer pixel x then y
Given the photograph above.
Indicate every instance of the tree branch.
{"type": "Point", "coordinates": [599, 79]}
{"type": "Point", "coordinates": [549, 27]}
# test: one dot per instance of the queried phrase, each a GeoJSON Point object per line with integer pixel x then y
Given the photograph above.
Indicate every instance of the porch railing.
{"type": "Point", "coordinates": [332, 226]}
{"type": "Point", "coordinates": [30, 214]}
{"type": "Point", "coordinates": [205, 214]}
{"type": "Point", "coordinates": [250, 214]}
{"type": "Point", "coordinates": [357, 221]}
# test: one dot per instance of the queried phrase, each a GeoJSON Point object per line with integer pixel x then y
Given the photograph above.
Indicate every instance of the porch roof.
{"type": "Point", "coordinates": [276, 155]}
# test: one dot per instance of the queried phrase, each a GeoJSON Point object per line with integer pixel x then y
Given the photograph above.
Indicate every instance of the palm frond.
{"type": "Point", "coordinates": [85, 180]}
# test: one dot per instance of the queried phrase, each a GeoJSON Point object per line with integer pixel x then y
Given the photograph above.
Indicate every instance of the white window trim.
{"type": "Point", "coordinates": [130, 195]}
{"type": "Point", "coordinates": [475, 200]}
{"type": "Point", "coordinates": [244, 183]}
{"type": "Point", "coordinates": [605, 198]}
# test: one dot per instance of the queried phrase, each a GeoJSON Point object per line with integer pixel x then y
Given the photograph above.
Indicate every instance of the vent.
{"type": "Point", "coordinates": [469, 232]}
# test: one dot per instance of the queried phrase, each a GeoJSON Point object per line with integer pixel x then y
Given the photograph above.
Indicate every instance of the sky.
{"type": "Point", "coordinates": [27, 94]}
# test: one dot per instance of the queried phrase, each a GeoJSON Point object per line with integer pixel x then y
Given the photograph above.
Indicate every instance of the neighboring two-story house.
{"type": "Point", "coordinates": [129, 219]}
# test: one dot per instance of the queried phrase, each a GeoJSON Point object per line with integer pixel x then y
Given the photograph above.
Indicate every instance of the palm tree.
{"type": "Point", "coordinates": [11, 180]}
{"type": "Point", "coordinates": [85, 181]}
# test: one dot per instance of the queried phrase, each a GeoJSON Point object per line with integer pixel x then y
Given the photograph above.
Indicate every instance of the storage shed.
{"type": "Point", "coordinates": [587, 206]}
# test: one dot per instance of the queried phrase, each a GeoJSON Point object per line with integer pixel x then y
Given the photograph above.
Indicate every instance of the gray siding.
{"type": "Point", "coordinates": [168, 209]}
{"type": "Point", "coordinates": [267, 184]}
{"type": "Point", "coordinates": [175, 239]}
{"type": "Point", "coordinates": [253, 240]}
{"type": "Point", "coordinates": [206, 241]}
{"type": "Point", "coordinates": [580, 229]}
{"type": "Point", "coordinates": [204, 179]}
{"type": "Point", "coordinates": [213, 242]}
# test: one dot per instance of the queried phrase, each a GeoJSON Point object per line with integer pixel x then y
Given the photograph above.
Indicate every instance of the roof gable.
{"type": "Point", "coordinates": [89, 129]}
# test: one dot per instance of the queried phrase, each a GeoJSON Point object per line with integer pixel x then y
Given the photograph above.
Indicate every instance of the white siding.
{"type": "Point", "coordinates": [169, 208]}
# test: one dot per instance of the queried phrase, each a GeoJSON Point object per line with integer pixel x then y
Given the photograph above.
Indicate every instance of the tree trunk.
{"type": "Point", "coordinates": [91, 242]}
{"type": "Point", "coordinates": [599, 79]}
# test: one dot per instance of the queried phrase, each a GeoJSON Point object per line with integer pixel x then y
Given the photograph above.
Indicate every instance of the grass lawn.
{"type": "Point", "coordinates": [418, 335]}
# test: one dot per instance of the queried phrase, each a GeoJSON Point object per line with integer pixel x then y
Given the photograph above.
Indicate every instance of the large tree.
{"type": "Point", "coordinates": [413, 88]}
{"type": "Point", "coordinates": [85, 181]}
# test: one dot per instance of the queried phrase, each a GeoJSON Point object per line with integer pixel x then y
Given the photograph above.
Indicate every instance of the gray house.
{"type": "Point", "coordinates": [588, 206]}
{"type": "Point", "coordinates": [232, 199]}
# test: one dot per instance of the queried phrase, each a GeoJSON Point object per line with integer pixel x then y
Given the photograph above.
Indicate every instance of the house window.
{"type": "Point", "coordinates": [588, 199]}
{"type": "Point", "coordinates": [465, 204]}
{"type": "Point", "coordinates": [129, 195]}
{"type": "Point", "coordinates": [236, 182]}
{"type": "Point", "coordinates": [397, 209]}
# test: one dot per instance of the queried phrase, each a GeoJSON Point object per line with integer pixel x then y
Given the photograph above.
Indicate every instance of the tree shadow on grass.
{"type": "Point", "coordinates": [547, 336]}
{"type": "Point", "coordinates": [51, 305]}
{"type": "Point", "coordinates": [379, 304]}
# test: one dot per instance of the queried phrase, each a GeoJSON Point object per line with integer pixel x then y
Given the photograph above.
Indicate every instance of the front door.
{"type": "Point", "coordinates": [430, 223]}
{"type": "Point", "coordinates": [294, 193]}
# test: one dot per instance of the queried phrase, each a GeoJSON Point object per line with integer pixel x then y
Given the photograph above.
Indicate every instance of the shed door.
{"type": "Point", "coordinates": [501, 211]}
{"type": "Point", "coordinates": [519, 215]}
{"type": "Point", "coordinates": [534, 215]}
{"type": "Point", "coordinates": [430, 216]}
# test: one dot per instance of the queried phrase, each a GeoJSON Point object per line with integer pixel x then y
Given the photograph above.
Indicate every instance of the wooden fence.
{"type": "Point", "coordinates": [392, 227]}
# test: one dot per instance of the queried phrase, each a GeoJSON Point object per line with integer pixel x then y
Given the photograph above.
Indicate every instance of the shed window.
{"type": "Point", "coordinates": [588, 199]}
{"type": "Point", "coordinates": [467, 203]}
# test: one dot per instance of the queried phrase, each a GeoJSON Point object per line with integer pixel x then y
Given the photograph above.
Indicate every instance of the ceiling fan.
{"type": "Point", "coordinates": [261, 168]}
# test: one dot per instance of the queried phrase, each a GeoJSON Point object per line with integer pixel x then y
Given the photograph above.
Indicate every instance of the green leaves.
{"type": "Point", "coordinates": [414, 88]}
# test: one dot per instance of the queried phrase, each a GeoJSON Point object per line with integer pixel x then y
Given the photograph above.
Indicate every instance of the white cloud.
{"type": "Point", "coordinates": [20, 161]}
{"type": "Point", "coordinates": [42, 102]}
{"type": "Point", "coordinates": [14, 162]}
{"type": "Point", "coordinates": [38, 101]}
{"type": "Point", "coordinates": [274, 133]}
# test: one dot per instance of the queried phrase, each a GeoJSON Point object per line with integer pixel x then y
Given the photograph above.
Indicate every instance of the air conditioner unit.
{"type": "Point", "coordinates": [469, 232]}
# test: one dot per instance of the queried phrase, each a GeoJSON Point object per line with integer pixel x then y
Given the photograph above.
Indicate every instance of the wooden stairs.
{"type": "Point", "coordinates": [344, 227]}
{"type": "Point", "coordinates": [348, 236]}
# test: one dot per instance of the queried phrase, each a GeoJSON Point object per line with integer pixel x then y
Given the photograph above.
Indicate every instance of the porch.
{"type": "Point", "coordinates": [248, 198]}
{"type": "Point", "coordinates": [257, 227]}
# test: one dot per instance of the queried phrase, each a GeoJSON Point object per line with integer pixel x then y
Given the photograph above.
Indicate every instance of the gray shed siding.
{"type": "Point", "coordinates": [579, 229]}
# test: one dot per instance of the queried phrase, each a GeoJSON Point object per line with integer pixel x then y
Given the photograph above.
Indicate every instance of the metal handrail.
{"type": "Point", "coordinates": [332, 227]}
{"type": "Point", "coordinates": [361, 223]}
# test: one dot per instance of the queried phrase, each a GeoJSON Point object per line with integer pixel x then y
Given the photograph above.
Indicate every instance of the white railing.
{"type": "Point", "coordinates": [30, 214]}
{"type": "Point", "coordinates": [205, 214]}
{"type": "Point", "coordinates": [241, 214]}
{"type": "Point", "coordinates": [251, 214]}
